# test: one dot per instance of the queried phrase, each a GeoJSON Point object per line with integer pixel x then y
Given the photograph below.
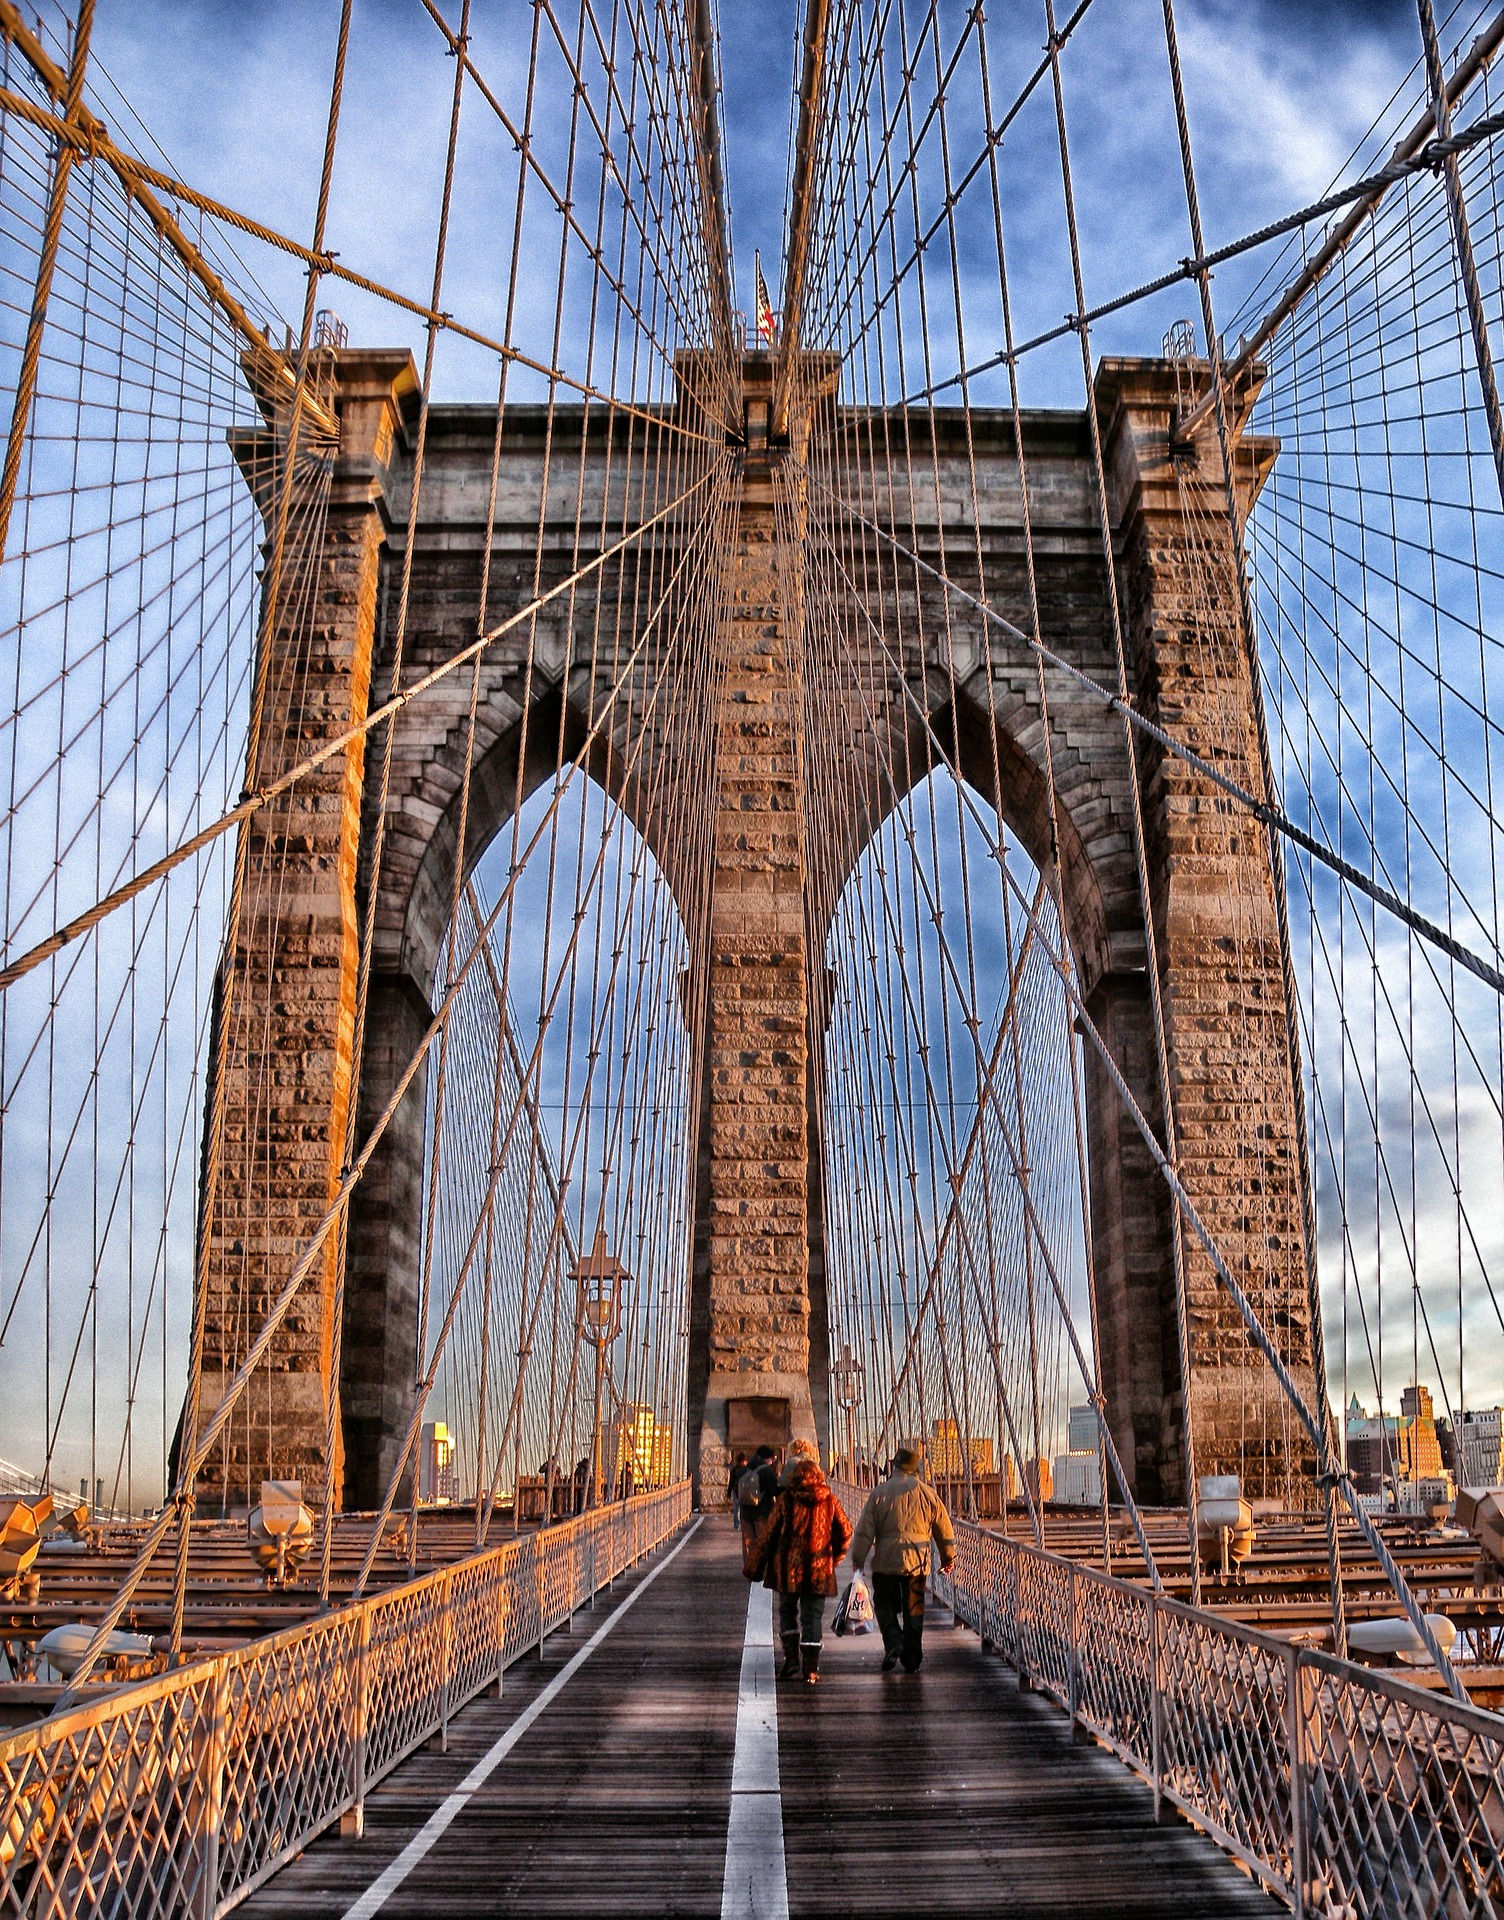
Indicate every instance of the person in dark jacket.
{"type": "Point", "coordinates": [755, 1492]}
{"type": "Point", "coordinates": [738, 1467]}
{"type": "Point", "coordinates": [802, 1542]}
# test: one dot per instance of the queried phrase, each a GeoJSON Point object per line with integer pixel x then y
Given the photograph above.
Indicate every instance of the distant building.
{"type": "Point", "coordinates": [1081, 1430]}
{"type": "Point", "coordinates": [1480, 1448]}
{"type": "Point", "coordinates": [1039, 1479]}
{"type": "Point", "coordinates": [949, 1448]}
{"type": "Point", "coordinates": [1398, 1461]}
{"type": "Point", "coordinates": [637, 1449]}
{"type": "Point", "coordinates": [1371, 1450]}
{"type": "Point", "coordinates": [1417, 1443]}
{"type": "Point", "coordinates": [438, 1478]}
{"type": "Point", "coordinates": [1425, 1495]}
{"type": "Point", "coordinates": [1078, 1478]}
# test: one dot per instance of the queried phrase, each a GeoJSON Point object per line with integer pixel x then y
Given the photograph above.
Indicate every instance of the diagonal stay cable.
{"type": "Point", "coordinates": [1308, 1420]}
{"type": "Point", "coordinates": [94, 143]}
{"type": "Point", "coordinates": [263, 796]}
{"type": "Point", "coordinates": [256, 1352]}
{"type": "Point", "coordinates": [1267, 814]}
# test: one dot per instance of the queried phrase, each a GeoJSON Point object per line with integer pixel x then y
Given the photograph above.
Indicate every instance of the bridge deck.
{"type": "Point", "coordinates": [949, 1792]}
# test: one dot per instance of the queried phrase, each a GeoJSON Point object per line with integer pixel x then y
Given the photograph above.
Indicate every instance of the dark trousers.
{"type": "Point", "coordinates": [804, 1614]}
{"type": "Point", "coordinates": [898, 1601]}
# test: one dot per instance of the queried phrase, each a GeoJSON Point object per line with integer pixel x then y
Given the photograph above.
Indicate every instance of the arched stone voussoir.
{"type": "Point", "coordinates": [998, 748]}
{"type": "Point", "coordinates": [508, 768]}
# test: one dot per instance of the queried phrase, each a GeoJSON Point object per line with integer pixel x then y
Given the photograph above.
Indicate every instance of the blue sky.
{"type": "Point", "coordinates": [1280, 91]}
{"type": "Point", "coordinates": [234, 93]}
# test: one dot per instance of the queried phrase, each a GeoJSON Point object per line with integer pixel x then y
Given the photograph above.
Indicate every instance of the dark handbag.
{"type": "Point", "coordinates": [757, 1547]}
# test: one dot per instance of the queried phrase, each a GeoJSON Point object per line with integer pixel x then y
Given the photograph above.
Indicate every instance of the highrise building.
{"type": "Point", "coordinates": [1480, 1447]}
{"type": "Point", "coordinates": [438, 1477]}
{"type": "Point", "coordinates": [949, 1448]}
{"type": "Point", "coordinates": [636, 1450]}
{"type": "Point", "coordinates": [1396, 1460]}
{"type": "Point", "coordinates": [1039, 1478]}
{"type": "Point", "coordinates": [1417, 1443]}
{"type": "Point", "coordinates": [1078, 1477]}
{"type": "Point", "coordinates": [1372, 1453]}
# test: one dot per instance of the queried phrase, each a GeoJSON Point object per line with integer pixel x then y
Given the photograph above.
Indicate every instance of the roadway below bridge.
{"type": "Point", "coordinates": [648, 1764]}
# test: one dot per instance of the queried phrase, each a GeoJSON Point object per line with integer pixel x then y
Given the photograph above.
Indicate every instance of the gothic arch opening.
{"type": "Point", "coordinates": [953, 1144]}
{"type": "Point", "coordinates": [546, 1219]}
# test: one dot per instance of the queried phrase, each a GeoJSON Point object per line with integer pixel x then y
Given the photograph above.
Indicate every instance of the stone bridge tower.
{"type": "Point", "coordinates": [757, 1333]}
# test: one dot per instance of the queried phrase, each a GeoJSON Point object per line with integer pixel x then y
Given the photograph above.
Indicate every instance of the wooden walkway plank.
{"type": "Point", "coordinates": [945, 1793]}
{"type": "Point", "coordinates": [950, 1792]}
{"type": "Point", "coordinates": [614, 1801]}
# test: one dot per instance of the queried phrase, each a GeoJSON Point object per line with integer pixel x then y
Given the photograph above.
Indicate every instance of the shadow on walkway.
{"type": "Point", "coordinates": [943, 1793]}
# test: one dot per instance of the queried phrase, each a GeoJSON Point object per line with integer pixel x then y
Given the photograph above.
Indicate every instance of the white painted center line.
{"type": "Point", "coordinates": [756, 1885]}
{"type": "Point", "coordinates": [437, 1824]}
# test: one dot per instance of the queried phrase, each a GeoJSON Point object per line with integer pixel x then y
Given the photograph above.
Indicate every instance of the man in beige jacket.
{"type": "Point", "coordinates": [899, 1521]}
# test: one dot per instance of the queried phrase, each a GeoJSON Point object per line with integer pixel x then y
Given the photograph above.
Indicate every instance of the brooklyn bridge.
{"type": "Point", "coordinates": [615, 855]}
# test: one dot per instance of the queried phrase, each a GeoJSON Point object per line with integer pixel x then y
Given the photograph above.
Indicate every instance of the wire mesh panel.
{"type": "Point", "coordinates": [286, 1738]}
{"type": "Point", "coordinates": [106, 1812]}
{"type": "Point", "coordinates": [228, 1767]}
{"type": "Point", "coordinates": [1044, 1613]}
{"type": "Point", "coordinates": [1226, 1752]}
{"type": "Point", "coordinates": [525, 1615]}
{"type": "Point", "coordinates": [1359, 1793]}
{"type": "Point", "coordinates": [404, 1674]}
{"type": "Point", "coordinates": [1115, 1663]}
{"type": "Point", "coordinates": [474, 1628]}
{"type": "Point", "coordinates": [1406, 1803]}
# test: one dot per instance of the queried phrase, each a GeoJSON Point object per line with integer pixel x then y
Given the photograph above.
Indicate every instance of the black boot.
{"type": "Point", "coordinates": [811, 1652]}
{"type": "Point", "coordinates": [790, 1668]}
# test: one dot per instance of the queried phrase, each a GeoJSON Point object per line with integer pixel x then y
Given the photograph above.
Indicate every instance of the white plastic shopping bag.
{"type": "Point", "coordinates": [854, 1609]}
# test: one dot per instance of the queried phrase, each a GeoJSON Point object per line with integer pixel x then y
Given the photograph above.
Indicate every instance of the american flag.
{"type": "Point", "coordinates": [767, 323]}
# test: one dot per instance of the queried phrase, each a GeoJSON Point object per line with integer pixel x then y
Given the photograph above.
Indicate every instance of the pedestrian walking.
{"type": "Point", "coordinates": [755, 1493]}
{"type": "Point", "coordinates": [802, 1543]}
{"type": "Point", "coordinates": [798, 1450]}
{"type": "Point", "coordinates": [899, 1521]}
{"type": "Point", "coordinates": [738, 1467]}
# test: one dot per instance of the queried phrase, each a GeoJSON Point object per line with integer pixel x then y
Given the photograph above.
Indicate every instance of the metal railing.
{"type": "Point", "coordinates": [178, 1796]}
{"type": "Point", "coordinates": [1346, 1791]}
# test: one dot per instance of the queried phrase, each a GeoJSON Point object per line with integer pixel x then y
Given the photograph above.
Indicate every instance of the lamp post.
{"type": "Point", "coordinates": [846, 1378]}
{"type": "Point", "coordinates": [600, 1280]}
